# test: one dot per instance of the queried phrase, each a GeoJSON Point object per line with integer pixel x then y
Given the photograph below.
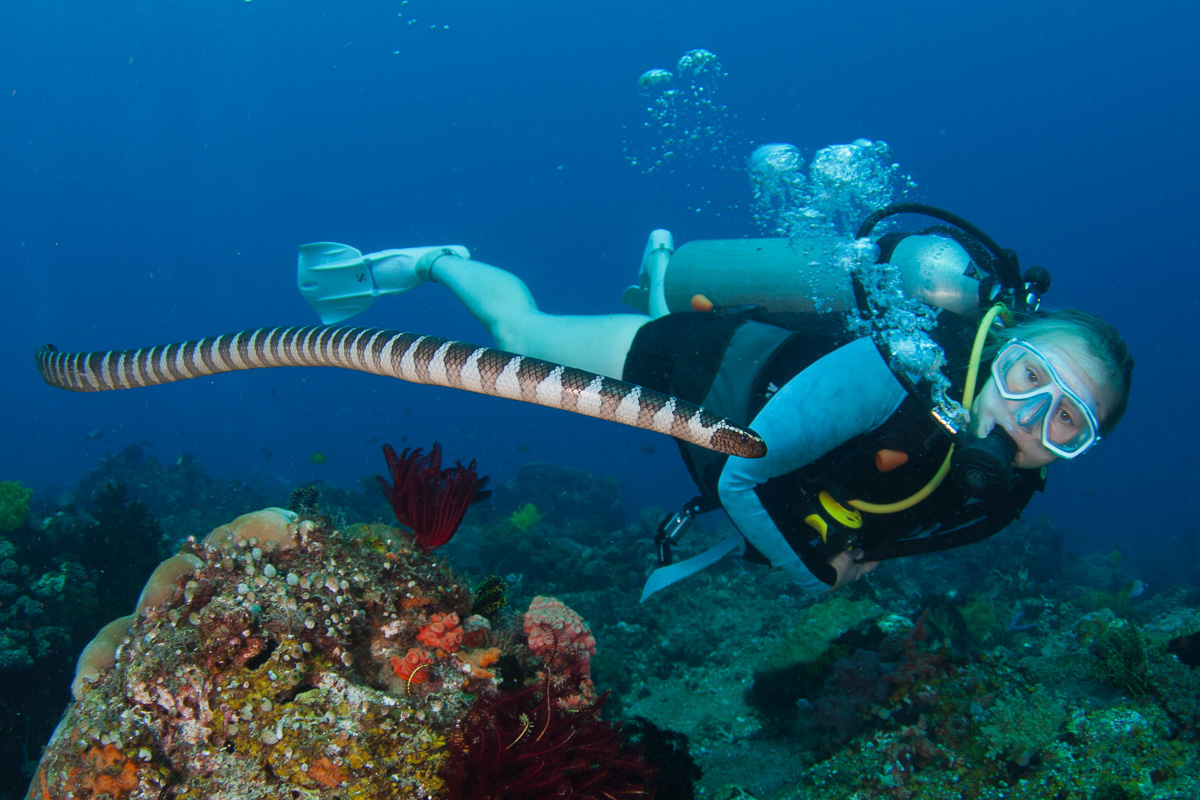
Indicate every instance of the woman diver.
{"type": "Point", "coordinates": [855, 464]}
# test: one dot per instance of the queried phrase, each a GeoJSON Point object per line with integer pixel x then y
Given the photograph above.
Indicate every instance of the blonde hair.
{"type": "Point", "coordinates": [1111, 364]}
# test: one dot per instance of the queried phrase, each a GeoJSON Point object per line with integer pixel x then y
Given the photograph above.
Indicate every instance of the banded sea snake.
{"type": "Point", "coordinates": [409, 357]}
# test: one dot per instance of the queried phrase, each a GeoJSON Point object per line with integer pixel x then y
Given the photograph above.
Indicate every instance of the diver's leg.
{"type": "Point", "coordinates": [657, 256]}
{"type": "Point", "coordinates": [504, 306]}
{"type": "Point", "coordinates": [647, 294]}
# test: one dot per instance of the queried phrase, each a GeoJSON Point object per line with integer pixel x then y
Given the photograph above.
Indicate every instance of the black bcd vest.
{"type": "Point", "coordinates": [732, 363]}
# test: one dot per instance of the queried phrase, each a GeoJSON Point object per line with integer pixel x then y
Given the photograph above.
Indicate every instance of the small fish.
{"type": "Point", "coordinates": [94, 434]}
{"type": "Point", "coordinates": [145, 443]}
{"type": "Point", "coordinates": [1135, 588]}
{"type": "Point", "coordinates": [649, 449]}
{"type": "Point", "coordinates": [373, 440]}
{"type": "Point", "coordinates": [318, 458]}
{"type": "Point", "coordinates": [524, 448]}
{"type": "Point", "coordinates": [266, 453]}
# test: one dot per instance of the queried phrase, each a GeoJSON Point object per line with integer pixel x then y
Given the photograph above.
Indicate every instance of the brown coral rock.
{"type": "Point", "coordinates": [262, 672]}
{"type": "Point", "coordinates": [328, 774]}
{"type": "Point", "coordinates": [259, 676]}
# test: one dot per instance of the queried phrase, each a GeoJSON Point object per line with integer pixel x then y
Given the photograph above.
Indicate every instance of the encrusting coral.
{"type": "Point", "coordinates": [811, 631]}
{"type": "Point", "coordinates": [270, 523]}
{"type": "Point", "coordinates": [283, 658]}
{"type": "Point", "coordinates": [556, 632]}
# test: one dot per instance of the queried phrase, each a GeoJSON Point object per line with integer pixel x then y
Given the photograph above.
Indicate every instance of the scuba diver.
{"type": "Point", "coordinates": [860, 438]}
{"type": "Point", "coordinates": [845, 399]}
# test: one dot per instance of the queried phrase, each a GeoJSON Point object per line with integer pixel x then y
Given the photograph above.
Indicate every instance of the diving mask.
{"type": "Point", "coordinates": [1068, 421]}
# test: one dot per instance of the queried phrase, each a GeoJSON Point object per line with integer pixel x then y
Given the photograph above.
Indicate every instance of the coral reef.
{"type": "Point", "coordinates": [79, 559]}
{"type": "Point", "coordinates": [62, 577]}
{"type": "Point", "coordinates": [1013, 668]}
{"type": "Point", "coordinates": [292, 659]}
{"type": "Point", "coordinates": [569, 499]}
{"type": "Point", "coordinates": [178, 493]}
{"type": "Point", "coordinates": [1044, 698]}
{"type": "Point", "coordinates": [1022, 722]}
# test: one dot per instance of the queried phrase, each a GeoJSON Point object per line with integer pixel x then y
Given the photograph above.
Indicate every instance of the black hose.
{"type": "Point", "coordinates": [1006, 268]}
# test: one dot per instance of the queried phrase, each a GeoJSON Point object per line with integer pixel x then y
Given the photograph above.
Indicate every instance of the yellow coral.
{"type": "Point", "coordinates": [980, 617]}
{"type": "Point", "coordinates": [525, 517]}
{"type": "Point", "coordinates": [14, 505]}
{"type": "Point", "coordinates": [480, 660]}
{"type": "Point", "coordinates": [817, 626]}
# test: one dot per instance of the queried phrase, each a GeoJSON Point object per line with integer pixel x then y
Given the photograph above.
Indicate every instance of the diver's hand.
{"type": "Point", "coordinates": [850, 567]}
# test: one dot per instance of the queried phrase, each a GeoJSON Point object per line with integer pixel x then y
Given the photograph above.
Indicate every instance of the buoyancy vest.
{"type": "Point", "coordinates": [733, 362]}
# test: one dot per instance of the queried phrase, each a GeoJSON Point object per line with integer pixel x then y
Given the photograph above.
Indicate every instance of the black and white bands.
{"type": "Point", "coordinates": [409, 357]}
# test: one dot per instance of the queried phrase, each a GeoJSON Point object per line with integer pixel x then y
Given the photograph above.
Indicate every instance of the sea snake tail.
{"type": "Point", "coordinates": [409, 357]}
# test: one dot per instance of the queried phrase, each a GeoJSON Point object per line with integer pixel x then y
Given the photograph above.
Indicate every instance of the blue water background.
{"type": "Point", "coordinates": [160, 162]}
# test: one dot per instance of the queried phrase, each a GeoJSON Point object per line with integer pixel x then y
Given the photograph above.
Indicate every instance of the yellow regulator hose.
{"type": "Point", "coordinates": [968, 399]}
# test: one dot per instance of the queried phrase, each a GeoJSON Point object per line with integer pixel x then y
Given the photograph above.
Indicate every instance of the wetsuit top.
{"type": "Point", "coordinates": [824, 403]}
{"type": "Point", "coordinates": [842, 395]}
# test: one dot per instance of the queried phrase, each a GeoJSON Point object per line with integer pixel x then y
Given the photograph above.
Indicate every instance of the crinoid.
{"type": "Point", "coordinates": [490, 597]}
{"type": "Point", "coordinates": [529, 744]}
{"type": "Point", "coordinates": [428, 499]}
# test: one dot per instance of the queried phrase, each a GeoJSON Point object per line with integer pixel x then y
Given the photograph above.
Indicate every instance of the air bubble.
{"type": "Point", "coordinates": [689, 130]}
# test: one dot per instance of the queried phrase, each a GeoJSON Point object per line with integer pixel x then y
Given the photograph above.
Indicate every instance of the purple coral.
{"type": "Point", "coordinates": [854, 686]}
{"type": "Point", "coordinates": [532, 744]}
{"type": "Point", "coordinates": [429, 500]}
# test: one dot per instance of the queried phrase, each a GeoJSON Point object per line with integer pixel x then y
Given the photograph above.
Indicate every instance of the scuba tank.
{"type": "Point", "coordinates": [956, 267]}
{"type": "Point", "coordinates": [937, 271]}
{"type": "Point", "coordinates": [779, 275]}
{"type": "Point", "coordinates": [787, 276]}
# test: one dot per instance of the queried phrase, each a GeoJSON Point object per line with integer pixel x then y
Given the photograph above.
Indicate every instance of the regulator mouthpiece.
{"type": "Point", "coordinates": [983, 467]}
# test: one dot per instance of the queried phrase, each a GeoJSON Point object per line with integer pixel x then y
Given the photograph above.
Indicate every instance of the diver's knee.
{"type": "Point", "coordinates": [522, 334]}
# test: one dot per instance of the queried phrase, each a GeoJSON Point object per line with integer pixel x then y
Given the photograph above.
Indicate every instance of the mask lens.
{"type": "Point", "coordinates": [1022, 373]}
{"type": "Point", "coordinates": [1068, 426]}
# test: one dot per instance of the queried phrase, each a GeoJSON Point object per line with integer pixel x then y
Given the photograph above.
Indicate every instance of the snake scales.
{"type": "Point", "coordinates": [409, 357]}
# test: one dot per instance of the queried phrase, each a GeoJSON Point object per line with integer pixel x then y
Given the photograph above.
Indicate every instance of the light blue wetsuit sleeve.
{"type": "Point", "coordinates": [849, 392]}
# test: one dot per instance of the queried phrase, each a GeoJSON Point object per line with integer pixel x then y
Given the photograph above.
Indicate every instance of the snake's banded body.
{"type": "Point", "coordinates": [409, 357]}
